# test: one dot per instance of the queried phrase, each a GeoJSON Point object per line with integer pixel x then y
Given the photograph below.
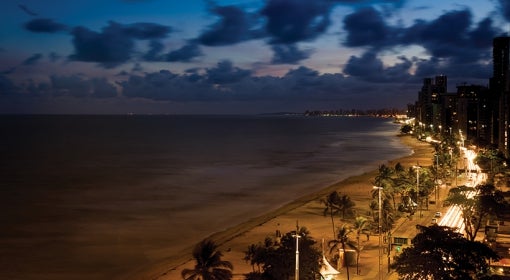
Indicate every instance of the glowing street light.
{"type": "Point", "coordinates": [297, 236]}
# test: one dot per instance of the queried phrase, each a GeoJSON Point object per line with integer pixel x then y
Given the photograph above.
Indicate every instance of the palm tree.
{"type": "Point", "coordinates": [342, 239]}
{"type": "Point", "coordinates": [332, 208]}
{"type": "Point", "coordinates": [209, 265]}
{"type": "Point", "coordinates": [359, 226]}
{"type": "Point", "coordinates": [388, 217]}
{"type": "Point", "coordinates": [385, 179]}
{"type": "Point", "coordinates": [346, 205]}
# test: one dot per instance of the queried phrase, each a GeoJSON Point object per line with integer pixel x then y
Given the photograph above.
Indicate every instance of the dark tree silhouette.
{"type": "Point", "coordinates": [332, 207]}
{"type": "Point", "coordinates": [342, 240]}
{"type": "Point", "coordinates": [476, 208]}
{"type": "Point", "coordinates": [336, 203]}
{"type": "Point", "coordinates": [278, 259]}
{"type": "Point", "coordinates": [209, 265]}
{"type": "Point", "coordinates": [439, 252]}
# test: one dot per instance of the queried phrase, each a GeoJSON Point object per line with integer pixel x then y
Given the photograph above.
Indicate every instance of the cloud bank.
{"type": "Point", "coordinates": [453, 43]}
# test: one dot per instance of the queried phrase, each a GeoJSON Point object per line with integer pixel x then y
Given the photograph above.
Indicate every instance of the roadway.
{"type": "Point", "coordinates": [453, 215]}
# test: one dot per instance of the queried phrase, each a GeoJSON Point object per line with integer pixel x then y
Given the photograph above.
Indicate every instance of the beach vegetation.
{"type": "Point", "coordinates": [208, 263]}
{"type": "Point", "coordinates": [276, 260]}
{"type": "Point", "coordinates": [440, 252]}
{"type": "Point", "coordinates": [406, 129]}
{"type": "Point", "coordinates": [331, 207]}
{"type": "Point", "coordinates": [385, 180]}
{"type": "Point", "coordinates": [360, 227]}
{"type": "Point", "coordinates": [477, 205]}
{"type": "Point", "coordinates": [336, 203]}
{"type": "Point", "coordinates": [342, 242]}
{"type": "Point", "coordinates": [346, 206]}
{"type": "Point", "coordinates": [387, 211]}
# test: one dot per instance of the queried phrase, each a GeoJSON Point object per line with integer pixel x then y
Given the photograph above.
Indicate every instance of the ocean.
{"type": "Point", "coordinates": [94, 197]}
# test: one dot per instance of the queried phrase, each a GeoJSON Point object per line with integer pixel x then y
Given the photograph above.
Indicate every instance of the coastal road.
{"type": "Point", "coordinates": [453, 216]}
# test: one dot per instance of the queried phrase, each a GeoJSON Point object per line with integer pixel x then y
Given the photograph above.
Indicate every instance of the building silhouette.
{"type": "Point", "coordinates": [500, 86]}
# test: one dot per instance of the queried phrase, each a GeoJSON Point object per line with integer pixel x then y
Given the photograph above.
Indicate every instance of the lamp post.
{"type": "Point", "coordinates": [380, 231]}
{"type": "Point", "coordinates": [389, 249]}
{"type": "Point", "coordinates": [297, 251]}
{"type": "Point", "coordinates": [417, 167]}
{"type": "Point", "coordinates": [436, 195]}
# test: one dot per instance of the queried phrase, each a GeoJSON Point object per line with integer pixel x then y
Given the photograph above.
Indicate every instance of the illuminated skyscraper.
{"type": "Point", "coordinates": [500, 87]}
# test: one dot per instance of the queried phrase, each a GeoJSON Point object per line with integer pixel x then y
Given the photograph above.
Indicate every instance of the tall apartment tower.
{"type": "Point", "coordinates": [500, 87]}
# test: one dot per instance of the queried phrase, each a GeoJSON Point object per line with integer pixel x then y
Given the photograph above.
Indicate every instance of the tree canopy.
{"type": "Point", "coordinates": [439, 252]}
{"type": "Point", "coordinates": [277, 260]}
{"type": "Point", "coordinates": [209, 265]}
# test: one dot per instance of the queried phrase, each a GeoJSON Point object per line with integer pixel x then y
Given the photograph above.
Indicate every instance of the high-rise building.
{"type": "Point", "coordinates": [473, 113]}
{"type": "Point", "coordinates": [429, 102]}
{"type": "Point", "coordinates": [500, 88]}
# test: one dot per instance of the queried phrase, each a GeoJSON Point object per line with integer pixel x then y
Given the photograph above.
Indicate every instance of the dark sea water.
{"type": "Point", "coordinates": [93, 197]}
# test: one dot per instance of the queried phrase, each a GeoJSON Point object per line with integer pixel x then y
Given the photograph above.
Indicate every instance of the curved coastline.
{"type": "Point", "coordinates": [306, 209]}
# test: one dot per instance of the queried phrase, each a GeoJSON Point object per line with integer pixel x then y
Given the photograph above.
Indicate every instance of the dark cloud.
{"type": "Point", "coordinates": [234, 26]}
{"type": "Point", "coordinates": [74, 85]}
{"type": "Point", "coordinates": [452, 36]}
{"type": "Point", "coordinates": [156, 47]}
{"type": "Point", "coordinates": [146, 31]}
{"type": "Point", "coordinates": [395, 3]}
{"type": "Point", "coordinates": [300, 89]}
{"type": "Point", "coordinates": [225, 73]}
{"type": "Point", "coordinates": [81, 87]}
{"type": "Point", "coordinates": [45, 25]}
{"type": "Point", "coordinates": [7, 87]}
{"type": "Point", "coordinates": [101, 88]}
{"type": "Point", "coordinates": [115, 43]}
{"type": "Point", "coordinates": [443, 36]}
{"type": "Point", "coordinates": [454, 41]}
{"type": "Point", "coordinates": [461, 71]}
{"type": "Point", "coordinates": [8, 71]}
{"type": "Point", "coordinates": [33, 59]}
{"type": "Point", "coordinates": [505, 8]}
{"type": "Point", "coordinates": [481, 37]}
{"type": "Point", "coordinates": [137, 68]}
{"type": "Point", "coordinates": [288, 54]}
{"type": "Point", "coordinates": [185, 53]}
{"type": "Point", "coordinates": [110, 48]}
{"type": "Point", "coordinates": [369, 67]}
{"type": "Point", "coordinates": [164, 85]}
{"type": "Point", "coordinates": [367, 27]}
{"type": "Point", "coordinates": [302, 78]}
{"type": "Point", "coordinates": [27, 10]}
{"type": "Point", "coordinates": [54, 57]}
{"type": "Point", "coordinates": [290, 21]}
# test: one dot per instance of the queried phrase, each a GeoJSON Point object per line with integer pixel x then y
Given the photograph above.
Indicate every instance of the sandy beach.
{"type": "Point", "coordinates": [308, 212]}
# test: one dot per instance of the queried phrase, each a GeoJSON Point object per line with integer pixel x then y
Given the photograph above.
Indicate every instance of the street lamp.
{"type": "Point", "coordinates": [417, 167]}
{"type": "Point", "coordinates": [297, 236]}
{"type": "Point", "coordinates": [380, 243]}
{"type": "Point", "coordinates": [436, 195]}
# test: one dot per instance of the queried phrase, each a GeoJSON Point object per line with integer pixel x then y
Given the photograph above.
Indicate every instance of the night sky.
{"type": "Point", "coordinates": [238, 56]}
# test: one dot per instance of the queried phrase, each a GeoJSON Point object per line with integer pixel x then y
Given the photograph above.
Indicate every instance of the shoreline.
{"type": "Point", "coordinates": [306, 210]}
